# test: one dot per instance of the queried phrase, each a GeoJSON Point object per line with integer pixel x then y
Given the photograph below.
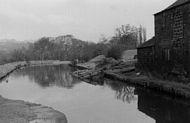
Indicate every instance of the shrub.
{"type": "Point", "coordinates": [115, 52]}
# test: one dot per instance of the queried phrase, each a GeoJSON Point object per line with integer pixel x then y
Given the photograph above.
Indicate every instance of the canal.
{"type": "Point", "coordinates": [96, 102]}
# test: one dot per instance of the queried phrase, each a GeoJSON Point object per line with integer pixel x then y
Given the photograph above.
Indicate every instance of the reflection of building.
{"type": "Point", "coordinates": [163, 109]}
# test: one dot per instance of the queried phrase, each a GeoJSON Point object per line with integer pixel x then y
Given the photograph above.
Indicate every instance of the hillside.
{"type": "Point", "coordinates": [67, 40]}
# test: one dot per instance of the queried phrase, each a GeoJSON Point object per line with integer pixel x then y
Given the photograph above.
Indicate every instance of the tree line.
{"type": "Point", "coordinates": [126, 37]}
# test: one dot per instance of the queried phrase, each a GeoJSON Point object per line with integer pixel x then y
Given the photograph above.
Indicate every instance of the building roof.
{"type": "Point", "coordinates": [175, 4]}
{"type": "Point", "coordinates": [148, 43]}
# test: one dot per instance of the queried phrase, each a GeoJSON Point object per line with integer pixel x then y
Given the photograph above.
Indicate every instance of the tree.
{"type": "Point", "coordinates": [103, 39]}
{"type": "Point", "coordinates": [115, 52]}
{"type": "Point", "coordinates": [125, 35]}
{"type": "Point", "coordinates": [141, 34]}
{"type": "Point", "coordinates": [18, 55]}
{"type": "Point", "coordinates": [144, 33]}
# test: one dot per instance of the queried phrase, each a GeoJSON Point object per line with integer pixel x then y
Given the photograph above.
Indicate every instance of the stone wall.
{"type": "Point", "coordinates": [187, 35]}
{"type": "Point", "coordinates": [172, 32]}
{"type": "Point", "coordinates": [145, 56]}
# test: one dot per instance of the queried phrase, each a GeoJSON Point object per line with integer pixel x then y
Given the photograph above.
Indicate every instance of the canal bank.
{"type": "Point", "coordinates": [127, 73]}
{"type": "Point", "coordinates": [17, 111]}
{"type": "Point", "coordinates": [7, 69]}
{"type": "Point", "coordinates": [169, 87]}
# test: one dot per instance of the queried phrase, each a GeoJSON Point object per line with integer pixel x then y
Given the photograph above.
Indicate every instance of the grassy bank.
{"type": "Point", "coordinates": [48, 62]}
{"type": "Point", "coordinates": [172, 88]}
{"type": "Point", "coordinates": [6, 69]}
{"type": "Point", "coordinates": [16, 111]}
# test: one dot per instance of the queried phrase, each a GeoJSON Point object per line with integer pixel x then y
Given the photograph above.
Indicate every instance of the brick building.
{"type": "Point", "coordinates": [172, 35]}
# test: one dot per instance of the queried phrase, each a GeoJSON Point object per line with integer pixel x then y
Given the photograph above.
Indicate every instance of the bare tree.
{"type": "Point", "coordinates": [125, 30]}
{"type": "Point", "coordinates": [126, 35]}
{"type": "Point", "coordinates": [142, 35]}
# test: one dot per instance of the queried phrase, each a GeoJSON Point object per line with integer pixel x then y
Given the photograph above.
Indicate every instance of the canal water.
{"type": "Point", "coordinates": [95, 102]}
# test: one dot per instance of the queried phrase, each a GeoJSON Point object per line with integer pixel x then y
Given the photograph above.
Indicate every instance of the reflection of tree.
{"type": "Point", "coordinates": [47, 76]}
{"type": "Point", "coordinates": [123, 92]}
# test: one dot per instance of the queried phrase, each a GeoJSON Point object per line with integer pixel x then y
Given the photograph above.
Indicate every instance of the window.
{"type": "Point", "coordinates": [167, 54]}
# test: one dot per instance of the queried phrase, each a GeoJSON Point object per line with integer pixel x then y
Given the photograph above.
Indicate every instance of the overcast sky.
{"type": "Point", "coordinates": [85, 19]}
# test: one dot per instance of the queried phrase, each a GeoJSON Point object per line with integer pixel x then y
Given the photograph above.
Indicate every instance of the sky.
{"type": "Point", "coordinates": [85, 19]}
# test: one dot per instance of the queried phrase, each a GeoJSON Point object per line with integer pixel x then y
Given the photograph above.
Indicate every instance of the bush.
{"type": "Point", "coordinates": [115, 52]}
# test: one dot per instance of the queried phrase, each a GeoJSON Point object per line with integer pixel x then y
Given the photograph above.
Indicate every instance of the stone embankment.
{"type": "Point", "coordinates": [16, 111]}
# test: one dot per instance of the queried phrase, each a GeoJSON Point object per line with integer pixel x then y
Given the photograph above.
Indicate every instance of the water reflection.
{"type": "Point", "coordinates": [163, 109]}
{"type": "Point", "coordinates": [122, 91]}
{"type": "Point", "coordinates": [47, 76]}
{"type": "Point", "coordinates": [160, 107]}
{"type": "Point", "coordinates": [96, 101]}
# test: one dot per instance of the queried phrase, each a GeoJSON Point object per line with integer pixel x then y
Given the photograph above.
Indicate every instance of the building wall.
{"type": "Point", "coordinates": [187, 35]}
{"type": "Point", "coordinates": [145, 56]}
{"type": "Point", "coordinates": [172, 32]}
